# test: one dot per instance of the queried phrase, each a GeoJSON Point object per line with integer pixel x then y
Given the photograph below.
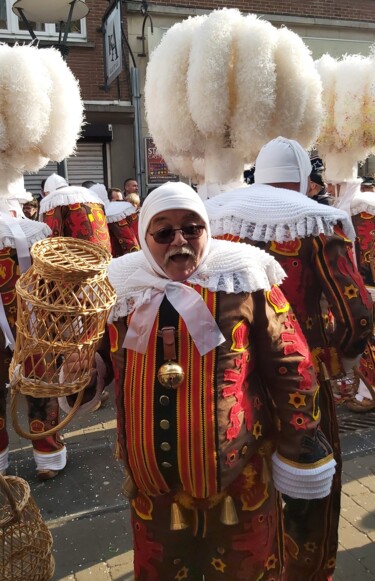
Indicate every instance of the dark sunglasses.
{"type": "Point", "coordinates": [166, 235]}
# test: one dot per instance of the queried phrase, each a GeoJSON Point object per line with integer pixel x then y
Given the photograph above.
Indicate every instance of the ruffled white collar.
{"type": "Point", "coordinates": [265, 213]}
{"type": "Point", "coordinates": [67, 196]}
{"type": "Point", "coordinates": [116, 211]}
{"type": "Point", "coordinates": [229, 267]}
{"type": "Point", "coordinates": [31, 229]}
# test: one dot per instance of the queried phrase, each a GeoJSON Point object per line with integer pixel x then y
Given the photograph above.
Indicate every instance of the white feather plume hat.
{"type": "Point", "coordinates": [41, 111]}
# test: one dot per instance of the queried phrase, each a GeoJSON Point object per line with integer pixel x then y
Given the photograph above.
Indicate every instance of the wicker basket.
{"type": "Point", "coordinates": [63, 302]}
{"type": "Point", "coordinates": [25, 541]}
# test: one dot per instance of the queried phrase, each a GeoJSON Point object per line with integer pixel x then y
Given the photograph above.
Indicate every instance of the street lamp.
{"type": "Point", "coordinates": [63, 12]}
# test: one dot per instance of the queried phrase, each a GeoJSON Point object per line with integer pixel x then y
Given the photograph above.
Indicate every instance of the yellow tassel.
{"type": "Point", "coordinates": [129, 489]}
{"type": "Point", "coordinates": [177, 519]}
{"type": "Point", "coordinates": [228, 512]}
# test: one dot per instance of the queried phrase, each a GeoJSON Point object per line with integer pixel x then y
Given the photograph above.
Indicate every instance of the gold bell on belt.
{"type": "Point", "coordinates": [171, 374]}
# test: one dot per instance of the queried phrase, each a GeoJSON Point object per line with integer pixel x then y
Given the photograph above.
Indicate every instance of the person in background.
{"type": "Point", "coordinates": [209, 381]}
{"type": "Point", "coordinates": [115, 195]}
{"type": "Point", "coordinates": [312, 243]}
{"type": "Point", "coordinates": [318, 187]}
{"type": "Point", "coordinates": [30, 209]}
{"type": "Point", "coordinates": [88, 184]}
{"type": "Point", "coordinates": [130, 186]}
{"type": "Point", "coordinates": [368, 184]}
{"type": "Point", "coordinates": [133, 199]}
{"type": "Point", "coordinates": [18, 234]}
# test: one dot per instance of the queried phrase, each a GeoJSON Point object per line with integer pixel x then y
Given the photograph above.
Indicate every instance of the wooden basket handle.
{"type": "Point", "coordinates": [52, 431]}
{"type": "Point", "coordinates": [5, 488]}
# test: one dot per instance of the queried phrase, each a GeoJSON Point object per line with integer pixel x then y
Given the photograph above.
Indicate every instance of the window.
{"type": "Point", "coordinates": [11, 26]}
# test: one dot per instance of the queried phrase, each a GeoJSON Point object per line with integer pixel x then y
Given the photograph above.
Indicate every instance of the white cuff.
{"type": "Point", "coordinates": [371, 290]}
{"type": "Point", "coordinates": [50, 460]}
{"type": "Point", "coordinates": [348, 364]}
{"type": "Point", "coordinates": [307, 483]}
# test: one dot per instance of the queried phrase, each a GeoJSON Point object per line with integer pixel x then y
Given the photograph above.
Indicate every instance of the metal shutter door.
{"type": "Point", "coordinates": [87, 164]}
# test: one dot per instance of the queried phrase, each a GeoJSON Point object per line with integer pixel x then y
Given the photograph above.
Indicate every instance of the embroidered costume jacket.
{"type": "Point", "coordinates": [124, 235]}
{"type": "Point", "coordinates": [85, 221]}
{"type": "Point", "coordinates": [322, 265]}
{"type": "Point", "coordinates": [252, 394]}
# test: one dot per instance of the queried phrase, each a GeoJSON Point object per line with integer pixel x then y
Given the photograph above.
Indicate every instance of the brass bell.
{"type": "Point", "coordinates": [177, 520]}
{"type": "Point", "coordinates": [171, 374]}
{"type": "Point", "coordinates": [228, 512]}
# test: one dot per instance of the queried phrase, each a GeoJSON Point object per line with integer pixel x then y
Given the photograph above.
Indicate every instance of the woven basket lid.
{"type": "Point", "coordinates": [69, 257]}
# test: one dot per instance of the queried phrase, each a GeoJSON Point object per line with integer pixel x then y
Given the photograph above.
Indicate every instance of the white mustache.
{"type": "Point", "coordinates": [181, 250]}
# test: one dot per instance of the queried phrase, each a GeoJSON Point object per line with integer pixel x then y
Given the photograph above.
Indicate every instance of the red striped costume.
{"type": "Point", "coordinates": [213, 437]}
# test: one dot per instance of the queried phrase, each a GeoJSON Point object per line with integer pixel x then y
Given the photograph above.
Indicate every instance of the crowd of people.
{"type": "Point", "coordinates": [237, 324]}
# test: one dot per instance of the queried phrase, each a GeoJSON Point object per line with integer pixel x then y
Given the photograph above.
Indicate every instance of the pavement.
{"type": "Point", "coordinates": [89, 517]}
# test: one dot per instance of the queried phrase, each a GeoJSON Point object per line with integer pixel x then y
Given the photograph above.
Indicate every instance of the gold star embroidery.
{"type": "Point", "coordinates": [311, 547]}
{"type": "Point", "coordinates": [218, 564]}
{"type": "Point", "coordinates": [257, 430]}
{"type": "Point", "coordinates": [297, 400]}
{"type": "Point", "coordinates": [182, 574]}
{"type": "Point", "coordinates": [351, 291]}
{"type": "Point", "coordinates": [271, 562]}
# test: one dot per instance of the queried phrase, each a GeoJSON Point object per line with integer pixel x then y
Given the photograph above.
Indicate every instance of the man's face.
{"type": "Point", "coordinates": [29, 210]}
{"type": "Point", "coordinates": [369, 188]}
{"type": "Point", "coordinates": [117, 197]}
{"type": "Point", "coordinates": [180, 257]}
{"type": "Point", "coordinates": [131, 187]}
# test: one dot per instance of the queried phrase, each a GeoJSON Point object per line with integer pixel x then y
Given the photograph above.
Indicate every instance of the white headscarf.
{"type": "Point", "coordinates": [283, 160]}
{"type": "Point", "coordinates": [187, 301]}
{"type": "Point", "coordinates": [170, 196]}
{"type": "Point", "coordinates": [54, 182]}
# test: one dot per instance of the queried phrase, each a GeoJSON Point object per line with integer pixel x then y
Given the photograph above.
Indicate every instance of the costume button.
{"type": "Point", "coordinates": [164, 400]}
{"type": "Point", "coordinates": [166, 465]}
{"type": "Point", "coordinates": [165, 446]}
{"type": "Point", "coordinates": [164, 424]}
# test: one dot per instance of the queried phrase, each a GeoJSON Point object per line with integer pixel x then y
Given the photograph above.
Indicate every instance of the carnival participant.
{"type": "Point", "coordinates": [17, 235]}
{"type": "Point", "coordinates": [78, 212]}
{"type": "Point", "coordinates": [122, 221]}
{"type": "Point", "coordinates": [216, 399]}
{"type": "Point", "coordinates": [312, 243]}
{"type": "Point", "coordinates": [74, 211]}
{"type": "Point", "coordinates": [362, 209]}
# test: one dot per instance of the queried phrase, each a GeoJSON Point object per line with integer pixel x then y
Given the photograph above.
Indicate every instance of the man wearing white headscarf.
{"type": "Point", "coordinates": [207, 353]}
{"type": "Point", "coordinates": [312, 243]}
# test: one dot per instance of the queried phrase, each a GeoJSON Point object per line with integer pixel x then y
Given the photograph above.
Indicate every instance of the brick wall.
{"type": "Point", "coordinates": [86, 61]}
{"type": "Point", "coordinates": [363, 10]}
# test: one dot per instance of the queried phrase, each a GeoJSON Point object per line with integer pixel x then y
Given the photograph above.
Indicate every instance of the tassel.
{"type": "Point", "coordinates": [177, 519]}
{"type": "Point", "coordinates": [228, 512]}
{"type": "Point", "coordinates": [129, 489]}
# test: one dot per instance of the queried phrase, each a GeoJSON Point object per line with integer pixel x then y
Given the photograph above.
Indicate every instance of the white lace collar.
{"type": "Point", "coordinates": [32, 230]}
{"type": "Point", "coordinates": [67, 196]}
{"type": "Point", "coordinates": [229, 267]}
{"type": "Point", "coordinates": [265, 213]}
{"type": "Point", "coordinates": [116, 211]}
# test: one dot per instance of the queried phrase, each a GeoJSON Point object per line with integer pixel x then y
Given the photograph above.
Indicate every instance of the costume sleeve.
{"type": "Point", "coordinates": [117, 332]}
{"type": "Point", "coordinates": [53, 218]}
{"type": "Point", "coordinates": [346, 293]}
{"type": "Point", "coordinates": [123, 238]}
{"type": "Point", "coordinates": [303, 464]}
